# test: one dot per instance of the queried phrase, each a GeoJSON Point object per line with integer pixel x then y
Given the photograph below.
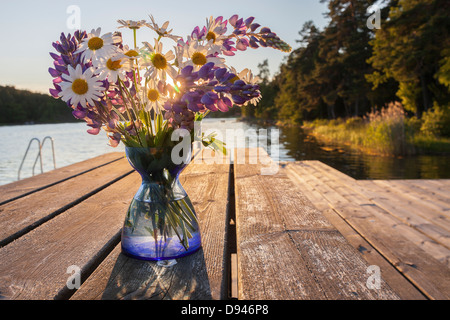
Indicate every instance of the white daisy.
{"type": "Point", "coordinates": [114, 67]}
{"type": "Point", "coordinates": [80, 87]}
{"type": "Point", "coordinates": [179, 54]}
{"type": "Point", "coordinates": [199, 55]}
{"type": "Point", "coordinates": [215, 30]}
{"type": "Point", "coordinates": [131, 53]}
{"type": "Point", "coordinates": [162, 31]}
{"type": "Point", "coordinates": [96, 47]}
{"type": "Point", "coordinates": [131, 24]}
{"type": "Point", "coordinates": [155, 96]}
{"type": "Point", "coordinates": [247, 76]}
{"type": "Point", "coordinates": [130, 56]}
{"type": "Point", "coordinates": [158, 63]}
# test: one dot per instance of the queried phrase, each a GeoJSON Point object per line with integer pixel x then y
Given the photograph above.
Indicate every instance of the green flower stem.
{"type": "Point", "coordinates": [129, 114]}
{"type": "Point", "coordinates": [133, 104]}
{"type": "Point", "coordinates": [178, 216]}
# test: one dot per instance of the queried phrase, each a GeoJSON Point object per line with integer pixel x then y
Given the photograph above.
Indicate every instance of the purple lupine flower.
{"type": "Point", "coordinates": [217, 92]}
{"type": "Point", "coordinates": [242, 44]}
{"type": "Point", "coordinates": [66, 47]}
{"type": "Point", "coordinates": [245, 30]}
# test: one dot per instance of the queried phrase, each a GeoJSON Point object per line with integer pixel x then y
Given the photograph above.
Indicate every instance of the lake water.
{"type": "Point", "coordinates": [73, 144]}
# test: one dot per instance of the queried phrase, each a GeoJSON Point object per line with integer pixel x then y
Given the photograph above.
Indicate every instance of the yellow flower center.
{"type": "Point", "coordinates": [80, 86]}
{"type": "Point", "coordinates": [132, 53]}
{"type": "Point", "coordinates": [234, 79]}
{"type": "Point", "coordinates": [153, 95]}
{"type": "Point", "coordinates": [211, 36]}
{"type": "Point", "coordinates": [95, 43]}
{"type": "Point", "coordinates": [113, 65]}
{"type": "Point", "coordinates": [199, 58]}
{"type": "Point", "coordinates": [159, 61]}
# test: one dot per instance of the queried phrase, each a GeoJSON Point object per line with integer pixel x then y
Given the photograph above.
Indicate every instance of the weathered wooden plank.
{"type": "Point", "coordinates": [35, 265]}
{"type": "Point", "coordinates": [419, 190]}
{"type": "Point", "coordinates": [26, 213]}
{"type": "Point", "coordinates": [198, 276]}
{"type": "Point", "coordinates": [29, 185]}
{"type": "Point", "coordinates": [120, 277]}
{"type": "Point", "coordinates": [287, 249]}
{"type": "Point", "coordinates": [429, 223]}
{"type": "Point", "coordinates": [403, 218]}
{"type": "Point", "coordinates": [433, 207]}
{"type": "Point", "coordinates": [428, 274]}
{"type": "Point", "coordinates": [395, 279]}
{"type": "Point", "coordinates": [431, 237]}
{"type": "Point", "coordinates": [444, 184]}
{"type": "Point", "coordinates": [443, 193]}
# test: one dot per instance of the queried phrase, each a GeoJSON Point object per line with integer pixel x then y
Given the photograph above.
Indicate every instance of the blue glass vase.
{"type": "Point", "coordinates": [161, 222]}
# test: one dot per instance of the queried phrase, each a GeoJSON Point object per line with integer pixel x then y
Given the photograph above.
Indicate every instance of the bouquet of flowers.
{"type": "Point", "coordinates": [140, 94]}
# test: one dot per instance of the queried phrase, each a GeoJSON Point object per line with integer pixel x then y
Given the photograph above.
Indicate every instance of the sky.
{"type": "Point", "coordinates": [28, 29]}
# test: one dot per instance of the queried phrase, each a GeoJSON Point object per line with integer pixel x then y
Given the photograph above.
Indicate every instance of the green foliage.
{"type": "Point", "coordinates": [354, 123]}
{"type": "Point", "coordinates": [384, 132]}
{"type": "Point", "coordinates": [409, 92]}
{"type": "Point", "coordinates": [325, 76]}
{"type": "Point", "coordinates": [346, 70]}
{"type": "Point", "coordinates": [21, 106]}
{"type": "Point", "coordinates": [408, 49]}
{"type": "Point", "coordinates": [443, 75]}
{"type": "Point", "coordinates": [436, 122]}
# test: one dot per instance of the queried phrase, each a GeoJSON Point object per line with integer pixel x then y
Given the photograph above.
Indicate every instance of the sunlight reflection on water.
{"type": "Point", "coordinates": [73, 144]}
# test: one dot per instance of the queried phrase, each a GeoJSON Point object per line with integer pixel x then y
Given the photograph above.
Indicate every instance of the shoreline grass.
{"type": "Point", "coordinates": [386, 133]}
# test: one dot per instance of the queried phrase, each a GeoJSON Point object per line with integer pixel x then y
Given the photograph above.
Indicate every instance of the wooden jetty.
{"type": "Point", "coordinates": [307, 231]}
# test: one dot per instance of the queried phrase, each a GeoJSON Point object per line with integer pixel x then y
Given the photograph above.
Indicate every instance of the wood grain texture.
{"type": "Point", "coordinates": [201, 275]}
{"type": "Point", "coordinates": [392, 276]}
{"type": "Point", "coordinates": [441, 193]}
{"type": "Point", "coordinates": [122, 278]}
{"type": "Point", "coordinates": [35, 265]}
{"type": "Point", "coordinates": [24, 214]}
{"type": "Point", "coordinates": [287, 249]}
{"type": "Point", "coordinates": [426, 199]}
{"type": "Point", "coordinates": [29, 185]}
{"type": "Point", "coordinates": [389, 236]}
{"type": "Point", "coordinates": [432, 224]}
{"type": "Point", "coordinates": [400, 214]}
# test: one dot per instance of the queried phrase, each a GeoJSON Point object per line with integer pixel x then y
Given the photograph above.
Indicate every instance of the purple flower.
{"type": "Point", "coordinates": [242, 44]}
{"type": "Point", "coordinates": [233, 20]}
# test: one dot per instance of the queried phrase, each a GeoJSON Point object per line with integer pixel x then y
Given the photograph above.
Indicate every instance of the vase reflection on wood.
{"type": "Point", "coordinates": [161, 222]}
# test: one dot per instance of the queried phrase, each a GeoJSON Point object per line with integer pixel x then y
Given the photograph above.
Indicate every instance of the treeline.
{"type": "Point", "coordinates": [22, 106]}
{"type": "Point", "coordinates": [348, 70]}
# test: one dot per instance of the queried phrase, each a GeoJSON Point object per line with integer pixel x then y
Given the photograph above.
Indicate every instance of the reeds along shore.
{"type": "Point", "coordinates": [388, 132]}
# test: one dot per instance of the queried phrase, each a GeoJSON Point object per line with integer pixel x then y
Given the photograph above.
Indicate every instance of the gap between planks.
{"type": "Point", "coordinates": [401, 285]}
{"type": "Point", "coordinates": [27, 186]}
{"type": "Point", "coordinates": [29, 212]}
{"type": "Point", "coordinates": [357, 219]}
{"type": "Point", "coordinates": [278, 227]}
{"type": "Point", "coordinates": [202, 275]}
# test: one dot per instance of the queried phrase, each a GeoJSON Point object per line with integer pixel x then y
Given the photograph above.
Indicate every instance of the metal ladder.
{"type": "Point", "coordinates": [39, 156]}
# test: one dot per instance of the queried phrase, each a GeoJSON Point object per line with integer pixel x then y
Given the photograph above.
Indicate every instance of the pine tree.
{"type": "Point", "coordinates": [343, 57]}
{"type": "Point", "coordinates": [411, 48]}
